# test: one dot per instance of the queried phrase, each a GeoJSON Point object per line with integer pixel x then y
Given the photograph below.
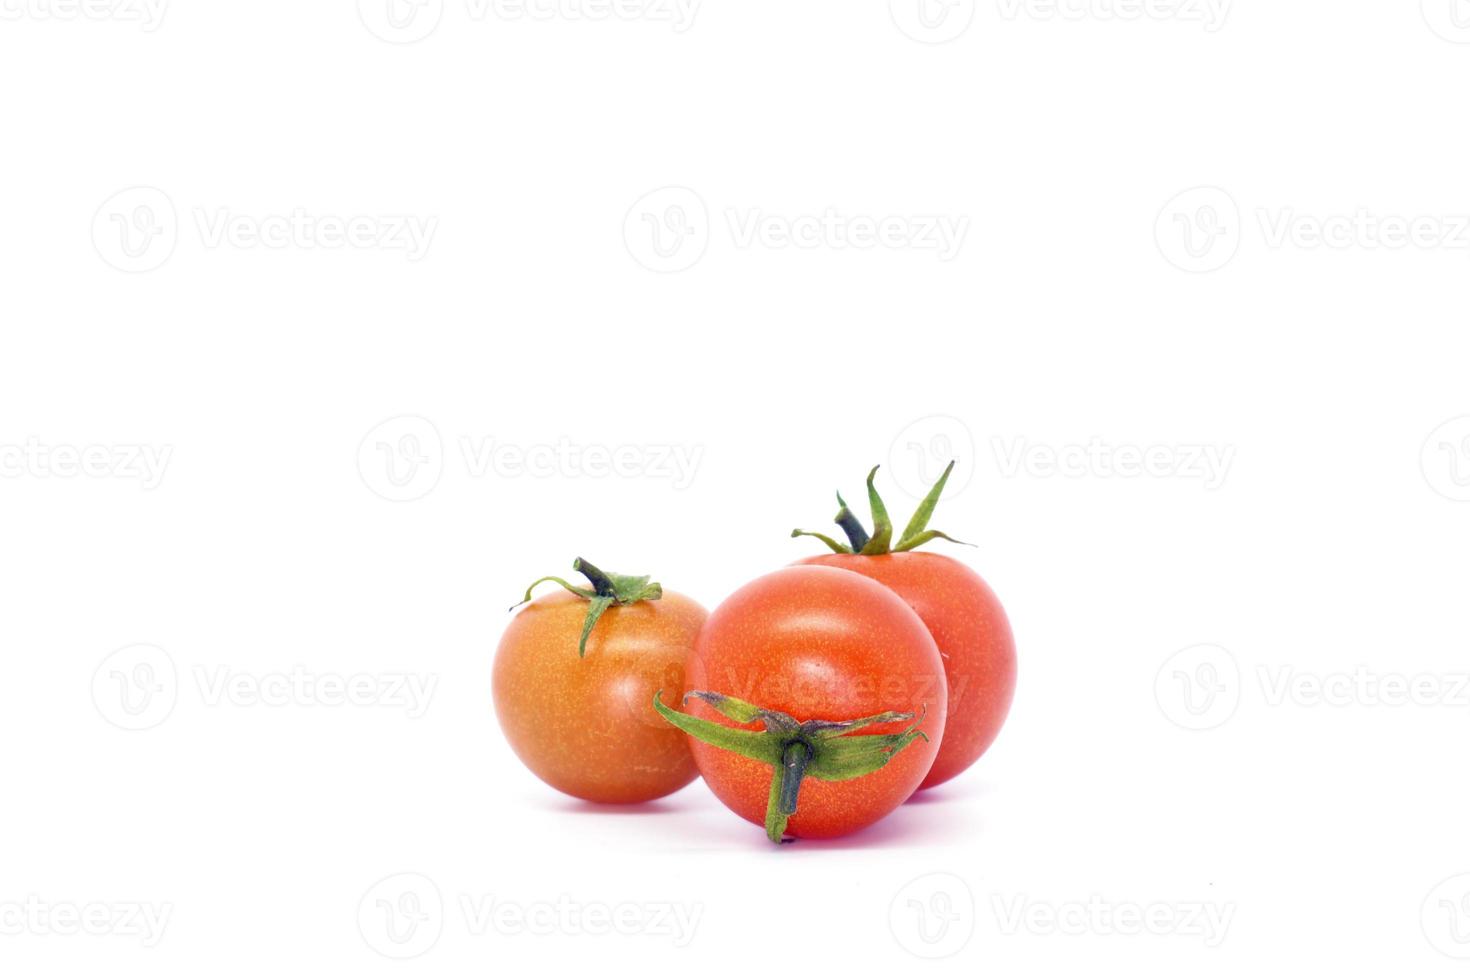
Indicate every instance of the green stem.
{"type": "Point", "coordinates": [851, 526]}
{"type": "Point", "coordinates": [608, 589]}
{"type": "Point", "coordinates": [793, 767]}
{"type": "Point", "coordinates": [602, 584]}
{"type": "Point", "coordinates": [825, 750]}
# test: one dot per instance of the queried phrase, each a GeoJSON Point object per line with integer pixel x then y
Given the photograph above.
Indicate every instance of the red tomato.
{"type": "Point", "coordinates": [960, 610]}
{"type": "Point", "coordinates": [584, 724]}
{"type": "Point", "coordinates": [817, 645]}
{"type": "Point", "coordinates": [974, 639]}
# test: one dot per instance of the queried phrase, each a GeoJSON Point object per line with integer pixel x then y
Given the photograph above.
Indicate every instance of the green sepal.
{"type": "Point", "coordinates": [741, 741]}
{"type": "Point", "coordinates": [744, 712]}
{"type": "Point", "coordinates": [595, 609]}
{"type": "Point", "coordinates": [608, 589]}
{"type": "Point", "coordinates": [909, 544]}
{"type": "Point", "coordinates": [854, 756]}
{"type": "Point", "coordinates": [882, 526]}
{"type": "Point", "coordinates": [915, 535]}
{"type": "Point", "coordinates": [584, 593]}
{"type": "Point", "coordinates": [824, 750]}
{"type": "Point", "coordinates": [840, 549]}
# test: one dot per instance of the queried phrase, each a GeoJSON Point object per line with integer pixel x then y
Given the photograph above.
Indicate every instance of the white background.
{"type": "Point", "coordinates": [1138, 278]}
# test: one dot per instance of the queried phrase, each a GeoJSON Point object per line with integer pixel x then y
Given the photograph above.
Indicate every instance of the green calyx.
{"type": "Point", "coordinates": [608, 590]}
{"type": "Point", "coordinates": [825, 750]}
{"type": "Point", "coordinates": [880, 542]}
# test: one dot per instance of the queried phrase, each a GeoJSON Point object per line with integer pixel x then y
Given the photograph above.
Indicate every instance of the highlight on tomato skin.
{"type": "Point", "coordinates": [823, 694]}
{"type": "Point", "coordinates": [963, 614]}
{"type": "Point", "coordinates": [573, 681]}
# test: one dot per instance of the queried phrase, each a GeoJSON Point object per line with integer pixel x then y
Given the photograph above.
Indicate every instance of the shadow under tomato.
{"type": "Point", "coordinates": [567, 804]}
{"type": "Point", "coordinates": [680, 801]}
{"type": "Point", "coordinates": [953, 791]}
{"type": "Point", "coordinates": [906, 825]}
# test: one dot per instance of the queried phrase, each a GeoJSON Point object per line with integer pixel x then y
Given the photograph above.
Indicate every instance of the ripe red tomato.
{"type": "Point", "coordinates": [584, 724]}
{"type": "Point", "coordinates": [960, 610]}
{"type": "Point", "coordinates": [838, 696]}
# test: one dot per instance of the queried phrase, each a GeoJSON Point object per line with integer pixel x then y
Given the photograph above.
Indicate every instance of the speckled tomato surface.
{"type": "Point", "coordinates": [819, 644]}
{"type": "Point", "coordinates": [586, 725]}
{"type": "Point", "coordinates": [974, 639]}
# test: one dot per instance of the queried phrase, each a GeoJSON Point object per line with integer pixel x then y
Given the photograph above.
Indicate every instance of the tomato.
{"type": "Point", "coordinates": [584, 724]}
{"type": "Point", "coordinates": [838, 697]}
{"type": "Point", "coordinates": [963, 614]}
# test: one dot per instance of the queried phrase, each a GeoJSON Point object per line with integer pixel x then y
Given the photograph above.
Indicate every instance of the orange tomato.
{"type": "Point", "coordinates": [586, 725]}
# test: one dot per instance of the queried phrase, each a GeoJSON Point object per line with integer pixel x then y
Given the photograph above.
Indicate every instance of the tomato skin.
{"type": "Point", "coordinates": [974, 638]}
{"type": "Point", "coordinates": [586, 725]}
{"type": "Point", "coordinates": [819, 643]}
